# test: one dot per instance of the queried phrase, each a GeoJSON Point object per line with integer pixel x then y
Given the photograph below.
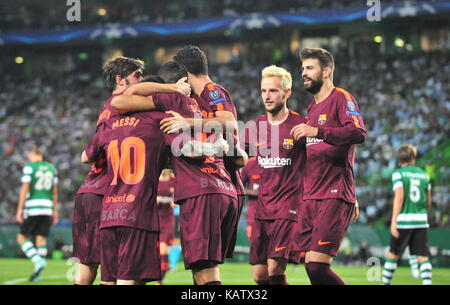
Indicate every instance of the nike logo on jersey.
{"type": "Point", "coordinates": [279, 248]}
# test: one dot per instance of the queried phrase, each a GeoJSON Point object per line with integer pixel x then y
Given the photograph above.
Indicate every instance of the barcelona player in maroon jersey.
{"type": "Point", "coordinates": [281, 160]}
{"type": "Point", "coordinates": [250, 179]}
{"type": "Point", "coordinates": [166, 189]}
{"type": "Point", "coordinates": [335, 125]}
{"type": "Point", "coordinates": [119, 73]}
{"type": "Point", "coordinates": [224, 110]}
{"type": "Point", "coordinates": [203, 184]}
{"type": "Point", "coordinates": [136, 152]}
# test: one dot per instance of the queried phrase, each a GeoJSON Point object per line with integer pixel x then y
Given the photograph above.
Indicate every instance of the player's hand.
{"type": "Point", "coordinates": [394, 230]}
{"type": "Point", "coordinates": [174, 124]}
{"type": "Point", "coordinates": [19, 217]}
{"type": "Point", "coordinates": [55, 217]}
{"type": "Point", "coordinates": [183, 87]}
{"type": "Point", "coordinates": [304, 130]}
{"type": "Point", "coordinates": [355, 212]}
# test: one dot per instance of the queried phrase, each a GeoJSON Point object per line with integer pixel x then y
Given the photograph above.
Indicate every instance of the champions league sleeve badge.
{"type": "Point", "coordinates": [216, 97]}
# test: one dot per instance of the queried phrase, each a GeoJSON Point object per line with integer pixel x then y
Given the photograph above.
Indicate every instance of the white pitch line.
{"type": "Point", "coordinates": [24, 280]}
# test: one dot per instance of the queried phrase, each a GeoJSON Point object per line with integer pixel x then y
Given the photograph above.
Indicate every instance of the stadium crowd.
{"type": "Point", "coordinates": [29, 14]}
{"type": "Point", "coordinates": [402, 100]}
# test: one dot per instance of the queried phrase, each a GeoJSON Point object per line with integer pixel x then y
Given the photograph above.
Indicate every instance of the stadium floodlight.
{"type": "Point", "coordinates": [399, 42]}
{"type": "Point", "coordinates": [102, 11]}
{"type": "Point", "coordinates": [378, 39]}
{"type": "Point", "coordinates": [19, 60]}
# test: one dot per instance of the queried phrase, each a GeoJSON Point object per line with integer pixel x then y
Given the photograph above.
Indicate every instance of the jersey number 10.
{"type": "Point", "coordinates": [128, 162]}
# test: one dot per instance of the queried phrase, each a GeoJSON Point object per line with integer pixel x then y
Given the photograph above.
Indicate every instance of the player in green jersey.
{"type": "Point", "coordinates": [409, 226]}
{"type": "Point", "coordinates": [36, 210]}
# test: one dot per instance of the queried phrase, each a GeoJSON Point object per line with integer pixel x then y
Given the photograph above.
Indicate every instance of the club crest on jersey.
{"type": "Point", "coordinates": [288, 143]}
{"type": "Point", "coordinates": [322, 119]}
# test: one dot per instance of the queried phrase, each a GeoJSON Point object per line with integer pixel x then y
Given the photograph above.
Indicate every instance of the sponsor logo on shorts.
{"type": "Point", "coordinates": [322, 243]}
{"type": "Point", "coordinates": [277, 249]}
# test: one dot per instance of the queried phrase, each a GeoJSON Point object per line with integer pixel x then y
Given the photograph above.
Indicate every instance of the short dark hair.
{"type": "Point", "coordinates": [325, 58]}
{"type": "Point", "coordinates": [193, 59]}
{"type": "Point", "coordinates": [172, 71]}
{"type": "Point", "coordinates": [119, 65]}
{"type": "Point", "coordinates": [406, 153]}
{"type": "Point", "coordinates": [152, 78]}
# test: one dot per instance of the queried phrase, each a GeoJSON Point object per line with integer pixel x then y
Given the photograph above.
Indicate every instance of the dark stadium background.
{"type": "Point", "coordinates": [398, 68]}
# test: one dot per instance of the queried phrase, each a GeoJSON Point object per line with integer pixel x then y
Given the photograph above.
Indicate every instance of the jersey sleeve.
{"type": "Point", "coordinates": [218, 100]}
{"type": "Point", "coordinates": [27, 174]}
{"type": "Point", "coordinates": [94, 149]}
{"type": "Point", "coordinates": [396, 180]}
{"type": "Point", "coordinates": [352, 130]}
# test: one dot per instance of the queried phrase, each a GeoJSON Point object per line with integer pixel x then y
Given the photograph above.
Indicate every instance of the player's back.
{"type": "Point", "coordinates": [42, 177]}
{"type": "Point", "coordinates": [136, 152]}
{"type": "Point", "coordinates": [416, 183]}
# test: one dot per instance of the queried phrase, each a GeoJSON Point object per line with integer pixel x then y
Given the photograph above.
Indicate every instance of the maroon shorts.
{"type": "Point", "coordinates": [270, 239]}
{"type": "Point", "coordinates": [129, 254]}
{"type": "Point", "coordinates": [207, 229]}
{"type": "Point", "coordinates": [323, 225]}
{"type": "Point", "coordinates": [230, 251]}
{"type": "Point", "coordinates": [166, 229]}
{"type": "Point", "coordinates": [85, 228]}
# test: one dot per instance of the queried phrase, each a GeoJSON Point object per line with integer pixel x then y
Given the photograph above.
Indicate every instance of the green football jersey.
{"type": "Point", "coordinates": [42, 176]}
{"type": "Point", "coordinates": [416, 183]}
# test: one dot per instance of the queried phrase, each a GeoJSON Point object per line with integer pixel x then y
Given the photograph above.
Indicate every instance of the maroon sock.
{"type": "Point", "coordinates": [164, 265]}
{"type": "Point", "coordinates": [278, 279]}
{"type": "Point", "coordinates": [214, 283]}
{"type": "Point", "coordinates": [321, 274]}
{"type": "Point", "coordinates": [263, 282]}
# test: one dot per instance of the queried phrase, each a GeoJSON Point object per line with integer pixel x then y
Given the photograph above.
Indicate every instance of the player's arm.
{"type": "Point", "coordinates": [129, 103]}
{"type": "Point", "coordinates": [55, 202]}
{"type": "Point", "coordinates": [137, 97]}
{"type": "Point", "coordinates": [148, 88]}
{"type": "Point", "coordinates": [21, 204]}
{"type": "Point", "coordinates": [429, 197]}
{"type": "Point", "coordinates": [397, 207]}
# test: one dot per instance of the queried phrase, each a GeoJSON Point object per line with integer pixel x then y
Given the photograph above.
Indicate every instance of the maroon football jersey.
{"type": "Point", "coordinates": [166, 190]}
{"type": "Point", "coordinates": [281, 160]}
{"type": "Point", "coordinates": [194, 177]}
{"type": "Point", "coordinates": [331, 155]}
{"type": "Point", "coordinates": [136, 151]}
{"type": "Point", "coordinates": [96, 181]}
{"type": "Point", "coordinates": [219, 99]}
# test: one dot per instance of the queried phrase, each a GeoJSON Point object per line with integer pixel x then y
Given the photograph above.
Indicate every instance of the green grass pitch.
{"type": "Point", "coordinates": [17, 271]}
